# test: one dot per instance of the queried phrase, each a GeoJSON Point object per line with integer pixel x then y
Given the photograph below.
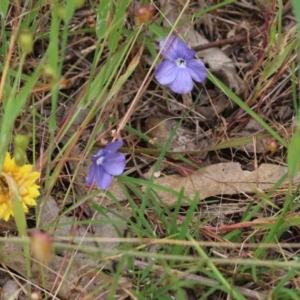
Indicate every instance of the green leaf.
{"type": "Point", "coordinates": [293, 157]}
{"type": "Point", "coordinates": [120, 16]}
{"type": "Point", "coordinates": [279, 60]}
{"type": "Point", "coordinates": [3, 8]}
{"type": "Point", "coordinates": [123, 78]}
{"type": "Point", "coordinates": [107, 73]}
{"type": "Point", "coordinates": [102, 18]}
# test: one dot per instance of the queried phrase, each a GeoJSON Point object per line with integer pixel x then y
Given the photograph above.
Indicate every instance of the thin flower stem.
{"type": "Point", "coordinates": [146, 80]}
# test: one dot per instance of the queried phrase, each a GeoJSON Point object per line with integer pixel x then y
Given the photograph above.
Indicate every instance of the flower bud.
{"type": "Point", "coordinates": [144, 14]}
{"type": "Point", "coordinates": [41, 245]}
{"type": "Point", "coordinates": [21, 141]}
{"type": "Point", "coordinates": [26, 41]}
{"type": "Point", "coordinates": [61, 11]}
{"type": "Point", "coordinates": [20, 157]}
{"type": "Point", "coordinates": [272, 145]}
{"type": "Point", "coordinates": [37, 295]}
{"type": "Point", "coordinates": [49, 74]}
{"type": "Point", "coordinates": [90, 21]}
{"type": "Point", "coordinates": [79, 3]}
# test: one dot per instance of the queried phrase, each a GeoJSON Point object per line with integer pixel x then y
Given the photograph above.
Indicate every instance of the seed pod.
{"type": "Point", "coordinates": [144, 14]}
{"type": "Point", "coordinates": [49, 74]}
{"type": "Point", "coordinates": [21, 141]}
{"type": "Point", "coordinates": [272, 145]}
{"type": "Point", "coordinates": [41, 245]}
{"type": "Point", "coordinates": [20, 157]}
{"type": "Point", "coordinates": [90, 21]}
{"type": "Point", "coordinates": [26, 41]}
{"type": "Point", "coordinates": [61, 11]}
{"type": "Point", "coordinates": [37, 295]}
{"type": "Point", "coordinates": [79, 3]}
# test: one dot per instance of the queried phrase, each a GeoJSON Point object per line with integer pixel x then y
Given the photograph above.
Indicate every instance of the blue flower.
{"type": "Point", "coordinates": [106, 164]}
{"type": "Point", "coordinates": [179, 68]}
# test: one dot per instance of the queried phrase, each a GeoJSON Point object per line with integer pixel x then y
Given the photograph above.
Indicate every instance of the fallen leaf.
{"type": "Point", "coordinates": [221, 179]}
{"type": "Point", "coordinates": [10, 290]}
{"type": "Point", "coordinates": [111, 225]}
{"type": "Point", "coordinates": [74, 282]}
{"type": "Point", "coordinates": [160, 128]}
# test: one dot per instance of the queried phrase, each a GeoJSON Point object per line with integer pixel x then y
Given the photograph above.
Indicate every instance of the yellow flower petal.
{"type": "Point", "coordinates": [25, 179]}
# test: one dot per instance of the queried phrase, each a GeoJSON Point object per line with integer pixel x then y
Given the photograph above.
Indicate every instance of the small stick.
{"type": "Point", "coordinates": [236, 39]}
{"type": "Point", "coordinates": [239, 38]}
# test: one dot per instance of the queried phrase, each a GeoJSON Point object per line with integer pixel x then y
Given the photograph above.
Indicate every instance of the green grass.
{"type": "Point", "coordinates": [166, 252]}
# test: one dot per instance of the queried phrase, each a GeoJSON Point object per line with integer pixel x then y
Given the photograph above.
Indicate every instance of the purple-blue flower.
{"type": "Point", "coordinates": [106, 164]}
{"type": "Point", "coordinates": [179, 68]}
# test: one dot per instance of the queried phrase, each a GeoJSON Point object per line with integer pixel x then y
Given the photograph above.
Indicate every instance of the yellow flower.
{"type": "Point", "coordinates": [24, 179]}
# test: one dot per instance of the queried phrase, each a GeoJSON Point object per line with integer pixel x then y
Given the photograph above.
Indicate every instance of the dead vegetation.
{"type": "Point", "coordinates": [242, 46]}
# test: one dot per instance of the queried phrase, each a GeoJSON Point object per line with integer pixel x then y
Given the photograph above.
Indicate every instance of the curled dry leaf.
{"type": "Point", "coordinates": [212, 103]}
{"type": "Point", "coordinates": [230, 79]}
{"type": "Point", "coordinates": [221, 179]}
{"type": "Point", "coordinates": [161, 128]}
{"type": "Point", "coordinates": [252, 127]}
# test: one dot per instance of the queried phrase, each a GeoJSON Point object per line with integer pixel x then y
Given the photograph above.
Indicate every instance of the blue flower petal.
{"type": "Point", "coordinates": [175, 48]}
{"type": "Point", "coordinates": [166, 72]}
{"type": "Point", "coordinates": [114, 146]}
{"type": "Point", "coordinates": [114, 163]}
{"type": "Point", "coordinates": [183, 83]}
{"type": "Point", "coordinates": [185, 53]}
{"type": "Point", "coordinates": [102, 178]}
{"type": "Point", "coordinates": [196, 69]}
{"type": "Point", "coordinates": [169, 47]}
{"type": "Point", "coordinates": [91, 174]}
{"type": "Point", "coordinates": [95, 157]}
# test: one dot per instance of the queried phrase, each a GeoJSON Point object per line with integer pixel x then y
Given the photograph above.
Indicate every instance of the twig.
{"type": "Point", "coordinates": [239, 38]}
{"type": "Point", "coordinates": [236, 39]}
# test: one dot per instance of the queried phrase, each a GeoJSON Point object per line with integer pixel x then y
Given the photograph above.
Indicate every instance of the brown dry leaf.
{"type": "Point", "coordinates": [230, 79]}
{"type": "Point", "coordinates": [102, 229]}
{"type": "Point", "coordinates": [160, 128]}
{"type": "Point", "coordinates": [112, 229]}
{"type": "Point", "coordinates": [251, 128]}
{"type": "Point", "coordinates": [10, 290]}
{"type": "Point", "coordinates": [221, 179]}
{"type": "Point", "coordinates": [212, 103]}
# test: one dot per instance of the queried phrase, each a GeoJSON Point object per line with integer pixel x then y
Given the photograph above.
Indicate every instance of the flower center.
{"type": "Point", "coordinates": [4, 190]}
{"type": "Point", "coordinates": [181, 63]}
{"type": "Point", "coordinates": [99, 160]}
